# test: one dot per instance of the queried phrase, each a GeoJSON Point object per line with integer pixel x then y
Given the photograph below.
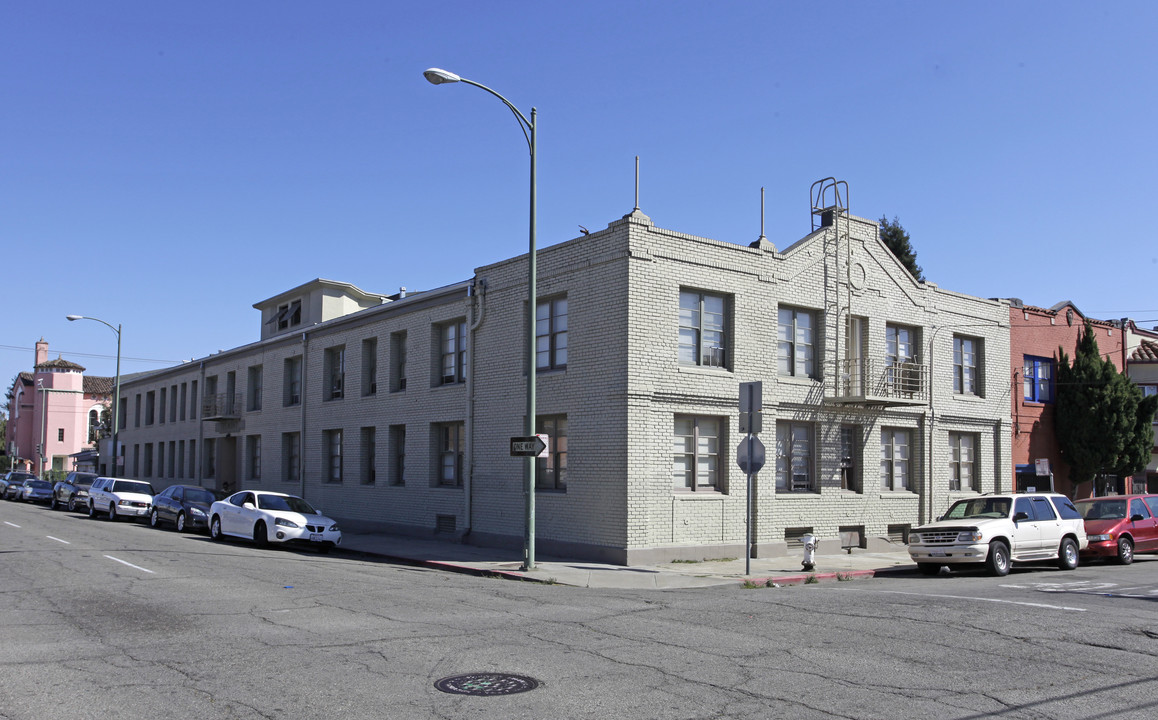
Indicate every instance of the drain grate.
{"type": "Point", "coordinates": [487, 684]}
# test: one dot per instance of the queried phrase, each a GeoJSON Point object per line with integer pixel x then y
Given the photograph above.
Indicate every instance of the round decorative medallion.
{"type": "Point", "coordinates": [856, 276]}
{"type": "Point", "coordinates": [487, 684]}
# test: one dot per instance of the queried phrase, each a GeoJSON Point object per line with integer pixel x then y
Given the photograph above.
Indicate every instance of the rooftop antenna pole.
{"type": "Point", "coordinates": [762, 215]}
{"type": "Point", "coordinates": [636, 183]}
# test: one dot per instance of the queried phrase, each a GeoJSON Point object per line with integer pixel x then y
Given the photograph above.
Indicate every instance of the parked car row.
{"type": "Point", "coordinates": [259, 515]}
{"type": "Point", "coordinates": [996, 530]}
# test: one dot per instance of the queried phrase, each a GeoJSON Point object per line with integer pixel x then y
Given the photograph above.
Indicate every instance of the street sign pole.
{"type": "Point", "coordinates": [751, 454]}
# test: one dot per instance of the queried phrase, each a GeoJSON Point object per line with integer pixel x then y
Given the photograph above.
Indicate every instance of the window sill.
{"type": "Point", "coordinates": [798, 493]}
{"type": "Point", "coordinates": [1033, 403]}
{"type": "Point", "coordinates": [544, 372]}
{"type": "Point", "coordinates": [969, 397]}
{"type": "Point", "coordinates": [550, 491]}
{"type": "Point", "coordinates": [797, 380]}
{"type": "Point", "coordinates": [698, 495]}
{"type": "Point", "coordinates": [898, 495]}
{"type": "Point", "coordinates": [702, 370]}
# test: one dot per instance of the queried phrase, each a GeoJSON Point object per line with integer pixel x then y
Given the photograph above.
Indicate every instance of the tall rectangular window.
{"type": "Point", "coordinates": [369, 367]}
{"type": "Point", "coordinates": [334, 367]}
{"type": "Point", "coordinates": [137, 412]}
{"type": "Point", "coordinates": [210, 457]}
{"type": "Point", "coordinates": [450, 437]}
{"type": "Point", "coordinates": [193, 405]}
{"type": "Point", "coordinates": [551, 471]}
{"type": "Point", "coordinates": [292, 381]}
{"type": "Point", "coordinates": [184, 400]}
{"type": "Point", "coordinates": [253, 457]}
{"type": "Point", "coordinates": [895, 459]}
{"type": "Point", "coordinates": [136, 460]}
{"type": "Point", "coordinates": [173, 404]}
{"type": "Point", "coordinates": [1037, 379]}
{"type": "Point", "coordinates": [398, 361]}
{"type": "Point", "coordinates": [397, 454]}
{"type": "Point", "coordinates": [253, 386]}
{"type": "Point", "coordinates": [148, 460]}
{"type": "Point", "coordinates": [850, 455]}
{"type": "Point", "coordinates": [174, 465]}
{"type": "Point", "coordinates": [181, 460]}
{"type": "Point", "coordinates": [904, 376]}
{"type": "Point", "coordinates": [703, 322]}
{"type": "Point", "coordinates": [551, 334]}
{"type": "Point", "coordinates": [289, 314]}
{"type": "Point", "coordinates": [150, 407]}
{"type": "Point", "coordinates": [193, 459]}
{"type": "Point", "coordinates": [966, 361]}
{"type": "Point", "coordinates": [291, 456]}
{"type": "Point", "coordinates": [962, 451]}
{"type": "Point", "coordinates": [162, 406]}
{"type": "Point", "coordinates": [794, 471]}
{"type": "Point", "coordinates": [696, 442]}
{"type": "Point", "coordinates": [797, 338]}
{"type": "Point", "coordinates": [332, 442]}
{"type": "Point", "coordinates": [452, 353]}
{"type": "Point", "coordinates": [369, 470]}
{"type": "Point", "coordinates": [160, 459]}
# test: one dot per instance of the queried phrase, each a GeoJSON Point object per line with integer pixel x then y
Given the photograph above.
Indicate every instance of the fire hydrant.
{"type": "Point", "coordinates": [810, 543]}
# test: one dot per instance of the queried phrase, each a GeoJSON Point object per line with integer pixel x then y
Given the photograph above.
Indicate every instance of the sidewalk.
{"type": "Point", "coordinates": [787, 570]}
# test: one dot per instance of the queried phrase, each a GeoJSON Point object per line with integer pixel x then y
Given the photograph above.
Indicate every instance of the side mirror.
{"type": "Point", "coordinates": [249, 506]}
{"type": "Point", "coordinates": [1020, 516]}
{"type": "Point", "coordinates": [1136, 517]}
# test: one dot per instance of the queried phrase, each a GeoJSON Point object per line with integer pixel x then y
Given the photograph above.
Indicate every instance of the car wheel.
{"type": "Point", "coordinates": [92, 511]}
{"type": "Point", "coordinates": [52, 503]}
{"type": "Point", "coordinates": [112, 513]}
{"type": "Point", "coordinates": [260, 536]}
{"type": "Point", "coordinates": [180, 522]}
{"type": "Point", "coordinates": [154, 519]}
{"type": "Point", "coordinates": [72, 504]}
{"type": "Point", "coordinates": [998, 560]}
{"type": "Point", "coordinates": [1067, 554]}
{"type": "Point", "coordinates": [1125, 551]}
{"type": "Point", "coordinates": [215, 528]}
{"type": "Point", "coordinates": [928, 568]}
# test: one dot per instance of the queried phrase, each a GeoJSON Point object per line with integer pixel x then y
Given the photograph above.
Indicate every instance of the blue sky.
{"type": "Point", "coordinates": [165, 165]}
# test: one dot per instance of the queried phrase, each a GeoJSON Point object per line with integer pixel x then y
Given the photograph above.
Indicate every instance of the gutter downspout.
{"type": "Point", "coordinates": [200, 426]}
{"type": "Point", "coordinates": [474, 323]}
{"type": "Point", "coordinates": [302, 430]}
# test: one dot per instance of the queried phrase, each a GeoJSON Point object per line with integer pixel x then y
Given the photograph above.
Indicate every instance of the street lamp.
{"type": "Point", "coordinates": [116, 387]}
{"type": "Point", "coordinates": [437, 76]}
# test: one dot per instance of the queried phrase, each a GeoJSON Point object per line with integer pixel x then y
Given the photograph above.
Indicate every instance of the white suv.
{"type": "Point", "coordinates": [996, 530]}
{"type": "Point", "coordinates": [119, 498]}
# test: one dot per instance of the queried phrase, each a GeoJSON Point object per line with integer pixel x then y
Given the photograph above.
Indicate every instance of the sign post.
{"type": "Point", "coordinates": [750, 454]}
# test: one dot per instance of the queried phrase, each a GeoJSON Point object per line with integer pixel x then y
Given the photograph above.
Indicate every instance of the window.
{"type": "Point", "coordinates": [696, 453]}
{"type": "Point", "coordinates": [292, 381]}
{"type": "Point", "coordinates": [397, 454]}
{"type": "Point", "coordinates": [150, 407]}
{"type": "Point", "coordinates": [174, 466]}
{"type": "Point", "coordinates": [161, 407]}
{"type": "Point", "coordinates": [148, 460]}
{"type": "Point", "coordinates": [369, 367]}
{"type": "Point", "coordinates": [794, 457]}
{"type": "Point", "coordinates": [334, 367]}
{"type": "Point", "coordinates": [452, 353]}
{"type": "Point", "coordinates": [900, 357]}
{"type": "Point", "coordinates": [193, 406]}
{"type": "Point", "coordinates": [289, 315]}
{"type": "Point", "coordinates": [962, 454]}
{"type": "Point", "coordinates": [184, 399]}
{"type": "Point", "coordinates": [253, 457]}
{"type": "Point", "coordinates": [450, 453]}
{"type": "Point", "coordinates": [894, 459]}
{"type": "Point", "coordinates": [551, 334]}
{"type": "Point", "coordinates": [551, 471]}
{"type": "Point", "coordinates": [60, 434]}
{"type": "Point", "coordinates": [210, 458]}
{"type": "Point", "coordinates": [160, 459]}
{"type": "Point", "coordinates": [173, 404]}
{"type": "Point", "coordinates": [137, 411]}
{"type": "Point", "coordinates": [368, 472]}
{"type": "Point", "coordinates": [966, 359]}
{"type": "Point", "coordinates": [253, 389]}
{"type": "Point", "coordinates": [333, 447]}
{"type": "Point", "coordinates": [1037, 380]}
{"type": "Point", "coordinates": [398, 361]}
{"type": "Point", "coordinates": [192, 458]}
{"type": "Point", "coordinates": [181, 460]}
{"type": "Point", "coordinates": [796, 355]}
{"type": "Point", "coordinates": [94, 424]}
{"type": "Point", "coordinates": [702, 321]}
{"type": "Point", "coordinates": [136, 460]}
{"type": "Point", "coordinates": [291, 456]}
{"type": "Point", "coordinates": [850, 458]}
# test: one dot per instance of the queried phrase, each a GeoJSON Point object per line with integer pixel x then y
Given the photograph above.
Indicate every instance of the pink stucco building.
{"type": "Point", "coordinates": [54, 413]}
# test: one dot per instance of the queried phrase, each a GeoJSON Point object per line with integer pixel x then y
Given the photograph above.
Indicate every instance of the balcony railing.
{"type": "Point", "coordinates": [222, 406]}
{"type": "Point", "coordinates": [879, 382]}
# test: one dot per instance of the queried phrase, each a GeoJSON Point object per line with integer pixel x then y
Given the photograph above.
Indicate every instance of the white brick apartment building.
{"type": "Point", "coordinates": [884, 398]}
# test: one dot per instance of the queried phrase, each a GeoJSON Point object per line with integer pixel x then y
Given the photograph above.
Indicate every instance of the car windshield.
{"type": "Point", "coordinates": [286, 502]}
{"type": "Point", "coordinates": [1103, 509]}
{"type": "Point", "coordinates": [132, 486]}
{"type": "Point", "coordinates": [994, 507]}
{"type": "Point", "coordinates": [201, 495]}
{"type": "Point", "coordinates": [40, 484]}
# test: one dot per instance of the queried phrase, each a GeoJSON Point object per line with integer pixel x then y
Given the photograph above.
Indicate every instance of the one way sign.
{"type": "Point", "coordinates": [532, 446]}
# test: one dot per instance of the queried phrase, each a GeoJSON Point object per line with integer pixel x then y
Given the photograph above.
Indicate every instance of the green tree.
{"type": "Point", "coordinates": [894, 235]}
{"type": "Point", "coordinates": [1102, 422]}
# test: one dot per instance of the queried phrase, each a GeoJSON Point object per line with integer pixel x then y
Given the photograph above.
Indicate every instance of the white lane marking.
{"type": "Point", "coordinates": [135, 567]}
{"type": "Point", "coordinates": [58, 540]}
{"type": "Point", "coordinates": [12, 524]}
{"type": "Point", "coordinates": [985, 599]}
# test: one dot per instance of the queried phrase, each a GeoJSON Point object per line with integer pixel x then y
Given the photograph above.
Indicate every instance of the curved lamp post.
{"type": "Point", "coordinates": [437, 76]}
{"type": "Point", "coordinates": [116, 387]}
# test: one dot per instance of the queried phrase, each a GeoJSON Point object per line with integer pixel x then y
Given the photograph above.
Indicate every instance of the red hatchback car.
{"type": "Point", "coordinates": [1120, 525]}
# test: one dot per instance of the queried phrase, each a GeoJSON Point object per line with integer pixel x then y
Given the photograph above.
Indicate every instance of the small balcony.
{"type": "Point", "coordinates": [869, 381]}
{"type": "Point", "coordinates": [222, 406]}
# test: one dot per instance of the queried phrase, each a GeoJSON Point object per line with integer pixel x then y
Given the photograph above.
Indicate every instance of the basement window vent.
{"type": "Point", "coordinates": [899, 534]}
{"type": "Point", "coordinates": [794, 537]}
{"type": "Point", "coordinates": [852, 536]}
{"type": "Point", "coordinates": [445, 523]}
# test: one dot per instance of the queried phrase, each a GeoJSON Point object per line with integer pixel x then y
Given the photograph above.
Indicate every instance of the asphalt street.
{"type": "Point", "coordinates": [118, 620]}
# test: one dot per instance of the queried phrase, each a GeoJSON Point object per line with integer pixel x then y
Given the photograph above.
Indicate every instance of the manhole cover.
{"type": "Point", "coordinates": [487, 684]}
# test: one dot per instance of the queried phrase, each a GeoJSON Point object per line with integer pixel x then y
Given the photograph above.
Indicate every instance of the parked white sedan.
{"type": "Point", "coordinates": [268, 517]}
